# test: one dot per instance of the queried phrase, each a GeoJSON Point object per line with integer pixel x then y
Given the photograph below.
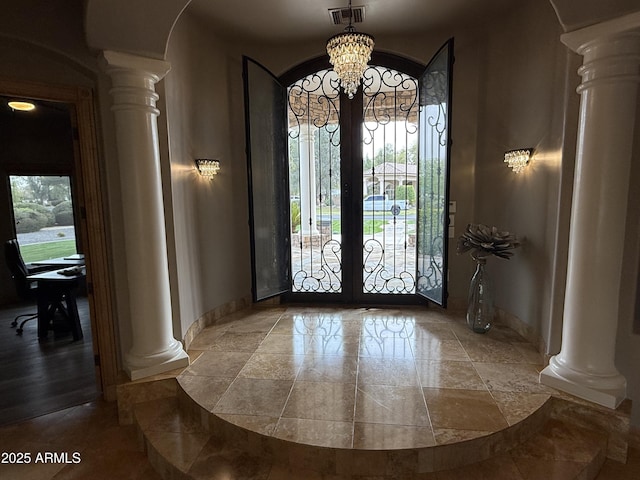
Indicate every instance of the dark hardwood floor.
{"type": "Point", "coordinates": [39, 377]}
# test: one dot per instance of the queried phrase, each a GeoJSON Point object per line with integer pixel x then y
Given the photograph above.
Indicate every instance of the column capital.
{"type": "Point", "coordinates": [580, 39]}
{"type": "Point", "coordinates": [119, 61]}
{"type": "Point", "coordinates": [133, 79]}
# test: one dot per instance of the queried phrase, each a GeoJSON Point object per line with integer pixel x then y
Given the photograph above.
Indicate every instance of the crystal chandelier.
{"type": "Point", "coordinates": [349, 52]}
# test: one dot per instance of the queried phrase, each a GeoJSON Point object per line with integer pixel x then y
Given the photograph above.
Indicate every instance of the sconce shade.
{"type": "Point", "coordinates": [517, 160]}
{"type": "Point", "coordinates": [207, 168]}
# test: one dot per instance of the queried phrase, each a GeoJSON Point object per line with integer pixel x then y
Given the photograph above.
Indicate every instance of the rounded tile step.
{"type": "Point", "coordinates": [326, 387]}
{"type": "Point", "coordinates": [179, 448]}
{"type": "Point", "coordinates": [244, 433]}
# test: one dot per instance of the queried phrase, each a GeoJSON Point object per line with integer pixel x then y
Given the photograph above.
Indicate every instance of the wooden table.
{"type": "Point", "coordinates": [61, 262]}
{"type": "Point", "coordinates": [54, 288]}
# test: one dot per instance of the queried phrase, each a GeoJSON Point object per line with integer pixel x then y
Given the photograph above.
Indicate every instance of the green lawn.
{"type": "Point", "coordinates": [325, 211]}
{"type": "Point", "coordinates": [45, 251]}
{"type": "Point", "coordinates": [369, 226]}
{"type": "Point", "coordinates": [373, 226]}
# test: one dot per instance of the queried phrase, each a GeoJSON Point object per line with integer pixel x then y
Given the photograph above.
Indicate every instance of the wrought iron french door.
{"type": "Point", "coordinates": [389, 118]}
{"type": "Point", "coordinates": [265, 107]}
{"type": "Point", "coordinates": [366, 197]}
{"type": "Point", "coordinates": [434, 153]}
{"type": "Point", "coordinates": [316, 185]}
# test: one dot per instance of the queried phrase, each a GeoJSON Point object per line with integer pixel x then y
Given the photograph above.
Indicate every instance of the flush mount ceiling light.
{"type": "Point", "coordinates": [21, 105]}
{"type": "Point", "coordinates": [349, 52]}
{"type": "Point", "coordinates": [208, 168]}
{"type": "Point", "coordinates": [518, 159]}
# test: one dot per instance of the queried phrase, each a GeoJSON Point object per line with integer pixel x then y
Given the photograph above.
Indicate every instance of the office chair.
{"type": "Point", "coordinates": [26, 289]}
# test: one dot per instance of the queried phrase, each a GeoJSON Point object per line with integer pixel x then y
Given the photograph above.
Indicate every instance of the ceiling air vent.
{"type": "Point", "coordinates": [340, 16]}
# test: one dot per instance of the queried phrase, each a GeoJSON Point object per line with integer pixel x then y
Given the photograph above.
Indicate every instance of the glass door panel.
{"type": "Point", "coordinates": [265, 107]}
{"type": "Point", "coordinates": [368, 184]}
{"type": "Point", "coordinates": [433, 165]}
{"type": "Point", "coordinates": [314, 183]}
{"type": "Point", "coordinates": [389, 181]}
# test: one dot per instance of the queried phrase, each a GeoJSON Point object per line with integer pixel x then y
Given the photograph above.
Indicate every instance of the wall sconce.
{"type": "Point", "coordinates": [518, 159]}
{"type": "Point", "coordinates": [208, 168]}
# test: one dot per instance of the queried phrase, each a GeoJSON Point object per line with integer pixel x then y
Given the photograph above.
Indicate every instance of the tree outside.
{"type": "Point", "coordinates": [43, 214]}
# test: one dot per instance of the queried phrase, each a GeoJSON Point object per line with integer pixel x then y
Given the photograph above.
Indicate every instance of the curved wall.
{"type": "Point", "coordinates": [522, 105]}
{"type": "Point", "coordinates": [142, 27]}
{"type": "Point", "coordinates": [204, 119]}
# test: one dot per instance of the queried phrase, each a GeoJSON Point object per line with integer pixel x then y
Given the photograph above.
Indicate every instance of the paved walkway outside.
{"type": "Point", "coordinates": [389, 259]}
{"type": "Point", "coordinates": [48, 234]}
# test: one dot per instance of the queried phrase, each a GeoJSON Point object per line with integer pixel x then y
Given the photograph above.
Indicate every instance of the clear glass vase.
{"type": "Point", "coordinates": [480, 309]}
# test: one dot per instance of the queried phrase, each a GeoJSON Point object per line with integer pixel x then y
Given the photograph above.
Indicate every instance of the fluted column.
{"type": "Point", "coordinates": [608, 92]}
{"type": "Point", "coordinates": [154, 349]}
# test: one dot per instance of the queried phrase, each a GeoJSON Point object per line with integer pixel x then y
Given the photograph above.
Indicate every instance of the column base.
{"type": "Point", "coordinates": [138, 367]}
{"type": "Point", "coordinates": [307, 239]}
{"type": "Point", "coordinates": [585, 386]}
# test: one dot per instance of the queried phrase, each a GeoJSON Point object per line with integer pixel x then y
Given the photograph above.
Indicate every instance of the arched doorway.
{"type": "Point", "coordinates": [91, 221]}
{"type": "Point", "coordinates": [365, 181]}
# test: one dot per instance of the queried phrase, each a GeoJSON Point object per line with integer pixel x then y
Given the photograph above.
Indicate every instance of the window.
{"type": "Point", "coordinates": [43, 216]}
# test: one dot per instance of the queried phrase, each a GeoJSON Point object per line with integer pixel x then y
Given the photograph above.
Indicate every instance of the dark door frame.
{"type": "Point", "coordinates": [352, 189]}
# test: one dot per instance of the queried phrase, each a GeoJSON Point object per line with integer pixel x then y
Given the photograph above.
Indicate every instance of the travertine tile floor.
{"type": "Point", "coordinates": [88, 434]}
{"type": "Point", "coordinates": [111, 451]}
{"type": "Point", "coordinates": [364, 378]}
{"type": "Point", "coordinates": [451, 367]}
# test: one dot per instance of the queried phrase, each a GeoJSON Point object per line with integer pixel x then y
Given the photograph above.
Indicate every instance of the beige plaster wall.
{"type": "Point", "coordinates": [54, 26]}
{"type": "Point", "coordinates": [522, 105]}
{"type": "Point", "coordinates": [141, 27]}
{"type": "Point", "coordinates": [590, 12]}
{"type": "Point", "coordinates": [628, 340]}
{"type": "Point", "coordinates": [203, 97]}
